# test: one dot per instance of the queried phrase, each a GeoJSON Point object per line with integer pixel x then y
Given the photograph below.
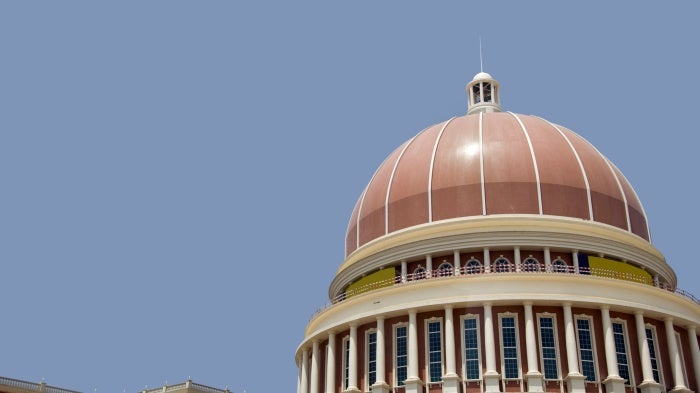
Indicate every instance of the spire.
{"type": "Point", "coordinates": [484, 94]}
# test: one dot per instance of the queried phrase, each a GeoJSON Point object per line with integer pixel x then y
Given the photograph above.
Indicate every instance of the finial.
{"type": "Point", "coordinates": [481, 56]}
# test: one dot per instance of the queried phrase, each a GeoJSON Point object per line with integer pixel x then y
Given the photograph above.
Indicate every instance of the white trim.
{"type": "Point", "coordinates": [481, 163]}
{"type": "Point", "coordinates": [391, 181]}
{"type": "Point", "coordinates": [681, 355]}
{"type": "Point", "coordinates": [655, 343]}
{"type": "Point", "coordinates": [394, 327]}
{"type": "Point", "coordinates": [517, 345]}
{"type": "Point", "coordinates": [556, 344]}
{"type": "Point", "coordinates": [462, 318]}
{"type": "Point", "coordinates": [625, 336]}
{"type": "Point", "coordinates": [591, 333]}
{"type": "Point", "coordinates": [426, 339]}
{"type": "Point", "coordinates": [634, 193]}
{"type": "Point", "coordinates": [534, 162]}
{"type": "Point", "coordinates": [367, 333]}
{"type": "Point", "coordinates": [359, 211]}
{"type": "Point", "coordinates": [345, 367]}
{"type": "Point", "coordinates": [580, 165]}
{"type": "Point", "coordinates": [622, 191]}
{"type": "Point", "coordinates": [430, 174]}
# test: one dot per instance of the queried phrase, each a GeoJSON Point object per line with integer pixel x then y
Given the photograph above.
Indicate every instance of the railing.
{"type": "Point", "coordinates": [186, 385]}
{"type": "Point", "coordinates": [466, 272]}
{"type": "Point", "coordinates": [31, 386]}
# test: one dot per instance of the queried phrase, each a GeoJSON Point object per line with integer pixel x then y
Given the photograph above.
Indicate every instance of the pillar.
{"type": "Point", "coordinates": [575, 381]}
{"type": "Point", "coordinates": [429, 266]}
{"type": "Point", "coordinates": [574, 257]}
{"type": "Point", "coordinates": [352, 361]}
{"type": "Point", "coordinates": [516, 255]}
{"type": "Point", "coordinates": [380, 385]}
{"type": "Point", "coordinates": [314, 379]}
{"type": "Point", "coordinates": [676, 366]}
{"type": "Point", "coordinates": [330, 364]}
{"type": "Point", "coordinates": [456, 263]}
{"type": "Point", "coordinates": [304, 384]}
{"type": "Point", "coordinates": [450, 381]}
{"type": "Point", "coordinates": [404, 271]}
{"type": "Point", "coordinates": [613, 383]}
{"type": "Point", "coordinates": [534, 378]}
{"type": "Point", "coordinates": [487, 260]}
{"type": "Point", "coordinates": [547, 260]}
{"type": "Point", "coordinates": [648, 385]}
{"type": "Point", "coordinates": [413, 383]}
{"type": "Point", "coordinates": [695, 352]}
{"type": "Point", "coordinates": [491, 376]}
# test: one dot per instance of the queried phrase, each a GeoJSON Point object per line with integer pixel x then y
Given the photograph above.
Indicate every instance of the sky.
{"type": "Point", "coordinates": [176, 177]}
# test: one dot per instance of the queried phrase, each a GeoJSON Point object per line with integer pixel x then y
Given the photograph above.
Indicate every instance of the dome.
{"type": "Point", "coordinates": [482, 76]}
{"type": "Point", "coordinates": [493, 163]}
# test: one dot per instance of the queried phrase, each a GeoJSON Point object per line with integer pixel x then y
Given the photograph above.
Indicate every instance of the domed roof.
{"type": "Point", "coordinates": [490, 164]}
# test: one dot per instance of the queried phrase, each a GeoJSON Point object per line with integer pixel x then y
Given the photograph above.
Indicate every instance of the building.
{"type": "Point", "coordinates": [499, 252]}
{"type": "Point", "coordinates": [10, 385]}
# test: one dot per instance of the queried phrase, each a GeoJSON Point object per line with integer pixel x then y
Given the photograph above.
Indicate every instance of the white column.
{"type": "Point", "coordinates": [574, 257]}
{"type": "Point", "coordinates": [352, 360]}
{"type": "Point", "coordinates": [516, 256]}
{"type": "Point", "coordinates": [487, 260]}
{"type": "Point", "coordinates": [380, 385]}
{"type": "Point", "coordinates": [313, 383]}
{"type": "Point", "coordinates": [404, 271]}
{"type": "Point", "coordinates": [413, 382]}
{"type": "Point", "coordinates": [613, 383]}
{"type": "Point", "coordinates": [429, 265]}
{"type": "Point", "coordinates": [491, 376]}
{"type": "Point", "coordinates": [676, 366]}
{"type": "Point", "coordinates": [547, 260]}
{"type": "Point", "coordinates": [647, 372]}
{"type": "Point", "coordinates": [299, 377]}
{"type": "Point", "coordinates": [695, 352]}
{"type": "Point", "coordinates": [304, 384]}
{"type": "Point", "coordinates": [330, 364]}
{"type": "Point", "coordinates": [456, 263]}
{"type": "Point", "coordinates": [450, 381]}
{"type": "Point", "coordinates": [533, 376]}
{"type": "Point", "coordinates": [575, 381]}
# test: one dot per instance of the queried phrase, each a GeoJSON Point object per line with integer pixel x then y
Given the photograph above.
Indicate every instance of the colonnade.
{"type": "Point", "coordinates": [310, 367]}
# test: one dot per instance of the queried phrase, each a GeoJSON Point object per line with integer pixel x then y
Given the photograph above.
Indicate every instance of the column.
{"type": "Point", "coordinates": [574, 257]}
{"type": "Point", "coordinates": [695, 352]}
{"type": "Point", "coordinates": [380, 385]}
{"type": "Point", "coordinates": [429, 266]}
{"type": "Point", "coordinates": [352, 361]}
{"type": "Point", "coordinates": [516, 257]}
{"type": "Point", "coordinates": [491, 376]}
{"type": "Point", "coordinates": [547, 260]}
{"type": "Point", "coordinates": [613, 383]}
{"type": "Point", "coordinates": [534, 378]}
{"type": "Point", "coordinates": [575, 381]}
{"type": "Point", "coordinates": [299, 377]}
{"type": "Point", "coordinates": [330, 364]}
{"type": "Point", "coordinates": [404, 271]}
{"type": "Point", "coordinates": [487, 260]}
{"type": "Point", "coordinates": [450, 381]}
{"type": "Point", "coordinates": [313, 383]}
{"type": "Point", "coordinates": [304, 384]}
{"type": "Point", "coordinates": [676, 366]}
{"type": "Point", "coordinates": [413, 383]}
{"type": "Point", "coordinates": [648, 385]}
{"type": "Point", "coordinates": [456, 263]}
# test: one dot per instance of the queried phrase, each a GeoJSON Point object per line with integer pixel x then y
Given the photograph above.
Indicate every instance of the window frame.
{"type": "Point", "coordinates": [557, 354]}
{"type": "Point", "coordinates": [426, 337]}
{"type": "Point", "coordinates": [625, 337]}
{"type": "Point", "coordinates": [345, 345]}
{"type": "Point", "coordinates": [446, 272]}
{"type": "Point", "coordinates": [516, 328]}
{"type": "Point", "coordinates": [395, 373]}
{"type": "Point", "coordinates": [679, 345]}
{"type": "Point", "coordinates": [524, 265]}
{"type": "Point", "coordinates": [655, 345]}
{"type": "Point", "coordinates": [476, 270]}
{"type": "Point", "coordinates": [495, 265]}
{"type": "Point", "coordinates": [558, 264]}
{"type": "Point", "coordinates": [369, 332]}
{"type": "Point", "coordinates": [594, 351]}
{"type": "Point", "coordinates": [462, 320]}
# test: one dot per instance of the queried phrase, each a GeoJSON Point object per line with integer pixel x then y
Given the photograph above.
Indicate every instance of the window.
{"type": "Point", "coordinates": [509, 346]}
{"type": "Point", "coordinates": [470, 347]}
{"type": "Point", "coordinates": [531, 265]}
{"type": "Point", "coordinates": [419, 273]}
{"type": "Point", "coordinates": [682, 356]}
{"type": "Point", "coordinates": [445, 269]}
{"type": "Point", "coordinates": [620, 339]}
{"type": "Point", "coordinates": [434, 349]}
{"type": "Point", "coordinates": [559, 266]}
{"type": "Point", "coordinates": [548, 346]}
{"type": "Point", "coordinates": [371, 358]}
{"type": "Point", "coordinates": [585, 347]}
{"type": "Point", "coordinates": [653, 351]}
{"type": "Point", "coordinates": [502, 265]}
{"type": "Point", "coordinates": [473, 266]}
{"type": "Point", "coordinates": [346, 362]}
{"type": "Point", "coordinates": [400, 354]}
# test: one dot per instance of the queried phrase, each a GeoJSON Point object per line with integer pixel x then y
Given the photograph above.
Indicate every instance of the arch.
{"type": "Point", "coordinates": [419, 273]}
{"type": "Point", "coordinates": [559, 266]}
{"type": "Point", "coordinates": [531, 264]}
{"type": "Point", "coordinates": [445, 269]}
{"type": "Point", "coordinates": [502, 265]}
{"type": "Point", "coordinates": [473, 266]}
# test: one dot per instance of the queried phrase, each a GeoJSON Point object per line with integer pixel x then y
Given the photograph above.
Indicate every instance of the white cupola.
{"type": "Point", "coordinates": [484, 94]}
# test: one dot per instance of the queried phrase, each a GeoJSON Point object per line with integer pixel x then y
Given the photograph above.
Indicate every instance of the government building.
{"type": "Point", "coordinates": [500, 252]}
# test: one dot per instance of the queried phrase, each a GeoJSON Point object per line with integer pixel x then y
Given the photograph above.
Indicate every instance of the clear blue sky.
{"type": "Point", "coordinates": [176, 177]}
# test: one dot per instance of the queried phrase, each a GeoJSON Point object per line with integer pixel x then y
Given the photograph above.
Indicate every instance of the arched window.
{"type": "Point", "coordinates": [559, 266]}
{"type": "Point", "coordinates": [419, 273]}
{"type": "Point", "coordinates": [501, 265]}
{"type": "Point", "coordinates": [531, 265]}
{"type": "Point", "coordinates": [473, 266]}
{"type": "Point", "coordinates": [445, 269]}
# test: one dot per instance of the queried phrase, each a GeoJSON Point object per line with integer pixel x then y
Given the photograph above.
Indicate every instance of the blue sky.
{"type": "Point", "coordinates": [177, 176]}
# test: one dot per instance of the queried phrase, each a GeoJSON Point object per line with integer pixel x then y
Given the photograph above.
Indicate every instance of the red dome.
{"type": "Point", "coordinates": [493, 163]}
